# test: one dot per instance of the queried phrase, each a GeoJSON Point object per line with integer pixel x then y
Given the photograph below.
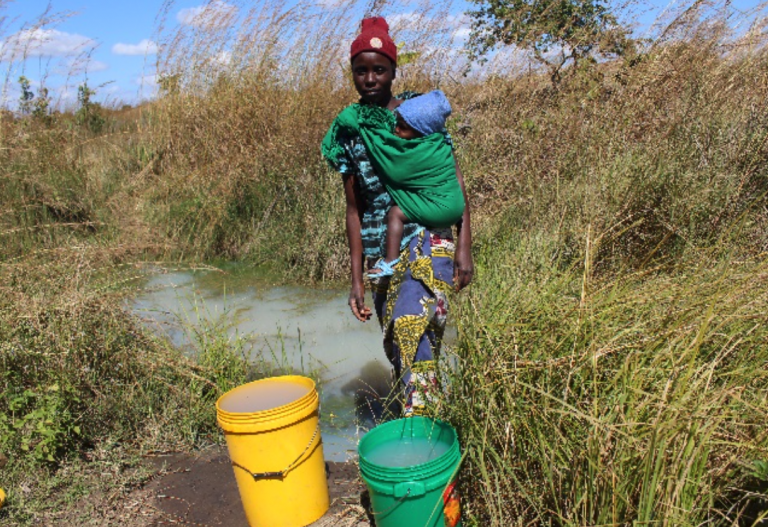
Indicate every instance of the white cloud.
{"type": "Point", "coordinates": [97, 65]}
{"type": "Point", "coordinates": [224, 57]}
{"type": "Point", "coordinates": [145, 47]}
{"type": "Point", "coordinates": [43, 43]}
{"type": "Point", "coordinates": [206, 15]}
{"type": "Point", "coordinates": [85, 64]}
{"type": "Point", "coordinates": [65, 97]}
{"type": "Point", "coordinates": [462, 33]}
{"type": "Point", "coordinates": [147, 81]}
{"type": "Point", "coordinates": [457, 26]}
{"type": "Point", "coordinates": [403, 21]}
{"type": "Point", "coordinates": [460, 26]}
{"type": "Point", "coordinates": [329, 4]}
{"type": "Point", "coordinates": [149, 85]}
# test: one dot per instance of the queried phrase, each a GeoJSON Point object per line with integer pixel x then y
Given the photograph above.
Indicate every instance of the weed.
{"type": "Point", "coordinates": [611, 350]}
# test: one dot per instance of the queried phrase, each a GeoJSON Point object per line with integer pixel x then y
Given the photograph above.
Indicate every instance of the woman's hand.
{"type": "Point", "coordinates": [463, 267]}
{"type": "Point", "coordinates": [355, 240]}
{"type": "Point", "coordinates": [357, 303]}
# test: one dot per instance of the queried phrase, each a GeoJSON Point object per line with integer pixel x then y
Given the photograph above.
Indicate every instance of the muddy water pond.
{"type": "Point", "coordinates": [285, 329]}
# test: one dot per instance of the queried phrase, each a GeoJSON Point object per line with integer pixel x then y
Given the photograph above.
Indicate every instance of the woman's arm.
{"type": "Point", "coordinates": [355, 241]}
{"type": "Point", "coordinates": [463, 268]}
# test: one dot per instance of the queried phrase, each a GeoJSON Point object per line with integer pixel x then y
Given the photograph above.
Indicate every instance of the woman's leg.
{"type": "Point", "coordinates": [395, 222]}
{"type": "Point", "coordinates": [412, 311]}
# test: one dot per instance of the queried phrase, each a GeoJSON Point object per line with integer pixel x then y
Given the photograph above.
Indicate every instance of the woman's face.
{"type": "Point", "coordinates": [373, 74]}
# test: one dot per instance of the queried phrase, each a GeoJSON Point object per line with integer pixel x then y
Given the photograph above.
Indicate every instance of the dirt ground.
{"type": "Point", "coordinates": [199, 491]}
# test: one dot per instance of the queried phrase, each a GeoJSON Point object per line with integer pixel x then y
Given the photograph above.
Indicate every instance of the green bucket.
{"type": "Point", "coordinates": [410, 467]}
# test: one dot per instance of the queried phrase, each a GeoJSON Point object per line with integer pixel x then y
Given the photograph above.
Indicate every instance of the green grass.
{"type": "Point", "coordinates": [612, 348]}
{"type": "Point", "coordinates": [81, 377]}
{"type": "Point", "coordinates": [598, 401]}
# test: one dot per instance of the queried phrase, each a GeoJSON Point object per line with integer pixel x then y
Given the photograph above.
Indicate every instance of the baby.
{"type": "Point", "coordinates": [430, 193]}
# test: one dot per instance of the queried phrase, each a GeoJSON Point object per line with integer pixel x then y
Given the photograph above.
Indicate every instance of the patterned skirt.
{"type": "Point", "coordinates": [412, 307]}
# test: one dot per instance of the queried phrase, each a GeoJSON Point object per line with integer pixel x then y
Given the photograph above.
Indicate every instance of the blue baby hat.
{"type": "Point", "coordinates": [426, 113]}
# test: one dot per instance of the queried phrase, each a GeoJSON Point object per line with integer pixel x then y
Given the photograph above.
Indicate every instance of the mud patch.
{"type": "Point", "coordinates": [199, 490]}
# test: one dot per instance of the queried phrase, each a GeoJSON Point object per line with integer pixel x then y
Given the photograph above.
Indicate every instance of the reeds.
{"type": "Point", "coordinates": [607, 401]}
{"type": "Point", "coordinates": [241, 117]}
{"type": "Point", "coordinates": [612, 349]}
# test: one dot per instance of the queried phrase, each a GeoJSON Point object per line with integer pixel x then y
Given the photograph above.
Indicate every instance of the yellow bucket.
{"type": "Point", "coordinates": [272, 429]}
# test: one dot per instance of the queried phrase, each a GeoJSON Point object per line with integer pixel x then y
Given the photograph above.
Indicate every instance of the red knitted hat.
{"type": "Point", "coordinates": [374, 36]}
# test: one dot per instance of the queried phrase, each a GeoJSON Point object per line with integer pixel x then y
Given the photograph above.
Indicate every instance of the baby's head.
{"type": "Point", "coordinates": [422, 115]}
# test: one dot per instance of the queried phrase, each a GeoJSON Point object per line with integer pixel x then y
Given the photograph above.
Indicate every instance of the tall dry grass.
{"type": "Point", "coordinates": [660, 152]}
{"type": "Point", "coordinates": [240, 120]}
{"type": "Point", "coordinates": [634, 399]}
{"type": "Point", "coordinates": [83, 383]}
{"type": "Point", "coordinates": [611, 350]}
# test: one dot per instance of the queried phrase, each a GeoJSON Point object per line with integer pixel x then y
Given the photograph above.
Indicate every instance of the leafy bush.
{"type": "Point", "coordinates": [39, 424]}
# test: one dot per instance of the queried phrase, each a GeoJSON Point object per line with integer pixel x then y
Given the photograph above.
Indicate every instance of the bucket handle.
{"type": "Point", "coordinates": [409, 489]}
{"type": "Point", "coordinates": [281, 473]}
{"type": "Point", "coordinates": [401, 492]}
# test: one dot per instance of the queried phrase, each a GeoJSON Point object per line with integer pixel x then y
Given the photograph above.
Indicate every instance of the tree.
{"type": "Point", "coordinates": [89, 113]}
{"type": "Point", "coordinates": [555, 31]}
{"type": "Point", "coordinates": [41, 105]}
{"type": "Point", "coordinates": [26, 97]}
{"type": "Point", "coordinates": [37, 107]}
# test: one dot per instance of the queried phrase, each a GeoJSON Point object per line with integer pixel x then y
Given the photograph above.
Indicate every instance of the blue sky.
{"type": "Point", "coordinates": [109, 41]}
{"type": "Point", "coordinates": [112, 43]}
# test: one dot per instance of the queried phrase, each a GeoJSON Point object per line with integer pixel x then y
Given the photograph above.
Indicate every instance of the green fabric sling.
{"type": "Point", "coordinates": [419, 174]}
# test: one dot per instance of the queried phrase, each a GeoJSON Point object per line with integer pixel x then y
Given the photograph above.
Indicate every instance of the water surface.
{"type": "Point", "coordinates": [293, 329]}
{"type": "Point", "coordinates": [406, 452]}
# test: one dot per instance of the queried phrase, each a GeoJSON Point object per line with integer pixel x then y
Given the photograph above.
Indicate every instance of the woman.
{"type": "Point", "coordinates": [411, 305]}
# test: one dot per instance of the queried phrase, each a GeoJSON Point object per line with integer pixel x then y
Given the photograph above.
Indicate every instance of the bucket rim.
{"type": "Point", "coordinates": [302, 402]}
{"type": "Point", "coordinates": [420, 471]}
